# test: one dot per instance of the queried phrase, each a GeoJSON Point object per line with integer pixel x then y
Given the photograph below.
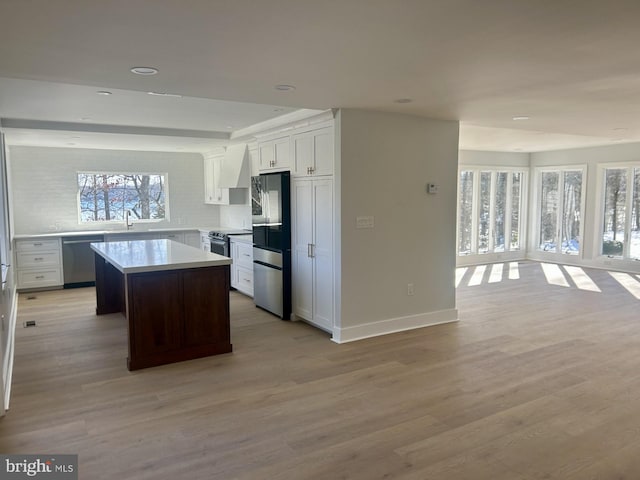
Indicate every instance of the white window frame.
{"type": "Point", "coordinates": [475, 257]}
{"type": "Point", "coordinates": [118, 172]}
{"type": "Point", "coordinates": [534, 227]}
{"type": "Point", "coordinates": [625, 262]}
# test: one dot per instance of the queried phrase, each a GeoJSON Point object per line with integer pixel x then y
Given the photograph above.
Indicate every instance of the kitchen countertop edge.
{"type": "Point", "coordinates": [190, 257]}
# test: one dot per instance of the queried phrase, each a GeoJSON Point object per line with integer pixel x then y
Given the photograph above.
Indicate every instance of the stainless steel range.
{"type": "Point", "coordinates": [219, 239]}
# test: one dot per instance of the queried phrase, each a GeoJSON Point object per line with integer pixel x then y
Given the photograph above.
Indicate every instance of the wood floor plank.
{"type": "Point", "coordinates": [535, 381]}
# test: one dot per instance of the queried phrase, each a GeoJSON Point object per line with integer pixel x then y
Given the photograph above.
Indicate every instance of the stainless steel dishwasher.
{"type": "Point", "coordinates": [78, 262]}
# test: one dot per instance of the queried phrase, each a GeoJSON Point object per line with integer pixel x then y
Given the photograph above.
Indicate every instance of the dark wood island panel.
{"type": "Point", "coordinates": [173, 315]}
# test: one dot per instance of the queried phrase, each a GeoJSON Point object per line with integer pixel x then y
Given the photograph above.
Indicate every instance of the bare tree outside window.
{"type": "Point", "coordinates": [548, 211]}
{"type": "Point", "coordinates": [614, 211]}
{"type": "Point", "coordinates": [105, 197]}
{"type": "Point", "coordinates": [515, 211]}
{"type": "Point", "coordinates": [489, 203]}
{"type": "Point", "coordinates": [465, 223]}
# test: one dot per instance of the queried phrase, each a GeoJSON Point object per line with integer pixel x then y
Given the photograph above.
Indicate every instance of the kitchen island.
{"type": "Point", "coordinates": [175, 298]}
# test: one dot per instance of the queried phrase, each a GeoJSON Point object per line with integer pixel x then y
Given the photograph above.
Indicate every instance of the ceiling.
{"type": "Point", "coordinates": [571, 67]}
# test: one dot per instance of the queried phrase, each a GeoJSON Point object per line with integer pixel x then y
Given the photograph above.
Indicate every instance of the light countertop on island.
{"type": "Point", "coordinates": [155, 255]}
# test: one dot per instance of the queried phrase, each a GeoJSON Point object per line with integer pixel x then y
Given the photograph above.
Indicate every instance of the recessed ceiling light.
{"type": "Point", "coordinates": [144, 70]}
{"type": "Point", "coordinates": [521, 117]}
{"type": "Point", "coordinates": [103, 92]}
{"type": "Point", "coordinates": [70, 143]}
{"type": "Point", "coordinates": [403, 100]}
{"type": "Point", "coordinates": [285, 88]}
{"type": "Point", "coordinates": [164, 94]}
{"type": "Point", "coordinates": [229, 127]}
{"type": "Point", "coordinates": [84, 119]}
{"type": "Point", "coordinates": [517, 149]}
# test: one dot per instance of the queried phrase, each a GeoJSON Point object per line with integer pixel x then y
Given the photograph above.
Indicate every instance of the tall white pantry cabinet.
{"type": "Point", "coordinates": [312, 222]}
{"type": "Point", "coordinates": [312, 250]}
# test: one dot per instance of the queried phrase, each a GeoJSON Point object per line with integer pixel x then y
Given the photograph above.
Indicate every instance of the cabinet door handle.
{"type": "Point", "coordinates": [39, 277]}
{"type": "Point", "coordinates": [308, 250]}
{"type": "Point", "coordinates": [38, 259]}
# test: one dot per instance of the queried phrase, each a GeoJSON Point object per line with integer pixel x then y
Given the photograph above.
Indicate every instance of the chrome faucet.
{"type": "Point", "coordinates": [127, 222]}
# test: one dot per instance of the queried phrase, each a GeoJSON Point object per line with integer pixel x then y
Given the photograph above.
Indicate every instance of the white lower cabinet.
{"type": "Point", "coordinates": [312, 250]}
{"type": "Point", "coordinates": [39, 263]}
{"type": "Point", "coordinates": [242, 266]}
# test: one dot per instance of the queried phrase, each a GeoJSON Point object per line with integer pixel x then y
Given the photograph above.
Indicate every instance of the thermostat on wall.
{"type": "Point", "coordinates": [432, 188]}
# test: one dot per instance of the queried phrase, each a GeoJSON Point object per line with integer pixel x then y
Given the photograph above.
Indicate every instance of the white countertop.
{"type": "Point", "coordinates": [156, 255]}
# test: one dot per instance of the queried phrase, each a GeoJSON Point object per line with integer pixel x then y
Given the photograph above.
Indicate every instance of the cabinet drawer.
{"type": "Point", "coordinates": [245, 281]}
{"type": "Point", "coordinates": [245, 255]}
{"type": "Point", "coordinates": [38, 259]}
{"type": "Point", "coordinates": [39, 278]}
{"type": "Point", "coordinates": [37, 245]}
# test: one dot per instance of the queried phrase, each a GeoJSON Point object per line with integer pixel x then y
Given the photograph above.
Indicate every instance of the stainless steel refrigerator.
{"type": "Point", "coordinates": [271, 212]}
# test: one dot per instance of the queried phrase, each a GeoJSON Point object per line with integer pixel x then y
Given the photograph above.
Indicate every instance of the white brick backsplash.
{"type": "Point", "coordinates": [44, 186]}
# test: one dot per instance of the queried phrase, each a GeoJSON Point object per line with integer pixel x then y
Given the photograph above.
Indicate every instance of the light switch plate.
{"type": "Point", "coordinates": [364, 222]}
{"type": "Point", "coordinates": [432, 188]}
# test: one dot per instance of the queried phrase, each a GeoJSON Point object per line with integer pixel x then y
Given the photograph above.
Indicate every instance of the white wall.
{"type": "Point", "coordinates": [235, 216]}
{"type": "Point", "coordinates": [494, 159]}
{"type": "Point", "coordinates": [44, 186]}
{"type": "Point", "coordinates": [384, 163]}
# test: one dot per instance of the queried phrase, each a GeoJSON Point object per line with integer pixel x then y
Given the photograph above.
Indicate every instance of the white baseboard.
{"type": "Point", "coordinates": [393, 325]}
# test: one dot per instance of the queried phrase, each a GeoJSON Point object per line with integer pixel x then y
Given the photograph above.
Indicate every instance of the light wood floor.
{"type": "Point", "coordinates": [536, 381]}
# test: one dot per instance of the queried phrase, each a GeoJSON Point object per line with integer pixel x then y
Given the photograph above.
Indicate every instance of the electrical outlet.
{"type": "Point", "coordinates": [410, 289]}
{"type": "Point", "coordinates": [364, 222]}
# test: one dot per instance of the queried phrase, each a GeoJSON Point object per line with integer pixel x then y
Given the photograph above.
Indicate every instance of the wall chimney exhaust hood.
{"type": "Point", "coordinates": [234, 171]}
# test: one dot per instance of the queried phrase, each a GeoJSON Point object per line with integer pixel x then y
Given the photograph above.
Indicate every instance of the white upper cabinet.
{"type": "Point", "coordinates": [313, 152]}
{"type": "Point", "coordinates": [275, 154]}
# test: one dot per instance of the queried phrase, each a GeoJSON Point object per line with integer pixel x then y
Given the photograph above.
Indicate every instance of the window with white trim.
{"type": "Point", "coordinates": [105, 197]}
{"type": "Point", "coordinates": [621, 212]}
{"type": "Point", "coordinates": [560, 210]}
{"type": "Point", "coordinates": [490, 210]}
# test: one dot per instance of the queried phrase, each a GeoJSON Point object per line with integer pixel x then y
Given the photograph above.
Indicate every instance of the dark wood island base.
{"type": "Point", "coordinates": [172, 315]}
